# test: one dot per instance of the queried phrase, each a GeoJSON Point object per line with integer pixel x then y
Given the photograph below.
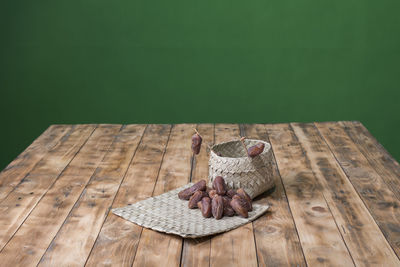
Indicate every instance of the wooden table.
{"type": "Point", "coordinates": [336, 201]}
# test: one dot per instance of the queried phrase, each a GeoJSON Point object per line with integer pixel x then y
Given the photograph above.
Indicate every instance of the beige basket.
{"type": "Point", "coordinates": [230, 161]}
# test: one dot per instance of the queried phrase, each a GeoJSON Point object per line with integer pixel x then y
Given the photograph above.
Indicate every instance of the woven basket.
{"type": "Point", "coordinates": [230, 161]}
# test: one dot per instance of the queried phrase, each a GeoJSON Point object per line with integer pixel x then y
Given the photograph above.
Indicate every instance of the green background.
{"type": "Point", "coordinates": [144, 61]}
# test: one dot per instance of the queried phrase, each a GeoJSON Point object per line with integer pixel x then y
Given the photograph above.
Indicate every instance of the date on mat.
{"type": "Point", "coordinates": [167, 213]}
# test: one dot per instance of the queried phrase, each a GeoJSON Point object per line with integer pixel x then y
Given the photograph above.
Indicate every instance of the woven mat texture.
{"type": "Point", "coordinates": [167, 213]}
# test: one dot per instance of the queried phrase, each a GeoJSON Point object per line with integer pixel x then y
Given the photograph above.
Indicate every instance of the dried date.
{"type": "Point", "coordinates": [239, 205]}
{"type": "Point", "coordinates": [243, 201]}
{"type": "Point", "coordinates": [196, 143]}
{"type": "Point", "coordinates": [196, 197]}
{"type": "Point", "coordinates": [217, 207]}
{"type": "Point", "coordinates": [228, 211]}
{"type": "Point", "coordinates": [188, 192]}
{"type": "Point", "coordinates": [219, 185]}
{"type": "Point", "coordinates": [212, 193]}
{"type": "Point", "coordinates": [205, 206]}
{"type": "Point", "coordinates": [255, 150]}
{"type": "Point", "coordinates": [231, 193]}
{"type": "Point", "coordinates": [246, 197]}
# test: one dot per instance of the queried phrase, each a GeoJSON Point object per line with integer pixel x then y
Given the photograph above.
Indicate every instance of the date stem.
{"type": "Point", "coordinates": [245, 148]}
{"type": "Point", "coordinates": [197, 132]}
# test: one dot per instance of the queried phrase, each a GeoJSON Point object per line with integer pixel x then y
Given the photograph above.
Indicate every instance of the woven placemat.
{"type": "Point", "coordinates": [167, 213]}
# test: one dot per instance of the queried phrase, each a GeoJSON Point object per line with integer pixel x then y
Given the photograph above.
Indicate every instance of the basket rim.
{"type": "Point", "coordinates": [266, 149]}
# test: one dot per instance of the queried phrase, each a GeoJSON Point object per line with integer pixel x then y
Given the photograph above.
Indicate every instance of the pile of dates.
{"type": "Point", "coordinates": [218, 201]}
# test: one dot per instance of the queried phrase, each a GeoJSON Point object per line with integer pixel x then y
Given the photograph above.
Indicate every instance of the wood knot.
{"type": "Point", "coordinates": [270, 229]}
{"type": "Point", "coordinates": [318, 208]}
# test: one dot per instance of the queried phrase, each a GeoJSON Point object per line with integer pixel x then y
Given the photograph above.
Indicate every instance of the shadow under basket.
{"type": "Point", "coordinates": [230, 161]}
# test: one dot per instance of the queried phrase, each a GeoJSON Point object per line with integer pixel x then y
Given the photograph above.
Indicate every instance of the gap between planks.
{"type": "Point", "coordinates": [84, 161]}
{"type": "Point", "coordinates": [278, 223]}
{"type": "Point", "coordinates": [49, 187]}
{"type": "Point", "coordinates": [122, 140]}
{"type": "Point", "coordinates": [322, 192]}
{"type": "Point", "coordinates": [387, 225]}
{"type": "Point", "coordinates": [344, 202]}
{"type": "Point", "coordinates": [304, 195]}
{"type": "Point", "coordinates": [154, 247]}
{"type": "Point", "coordinates": [196, 252]}
{"type": "Point", "coordinates": [119, 237]}
{"type": "Point", "coordinates": [46, 141]}
{"type": "Point", "coordinates": [242, 133]}
{"type": "Point", "coordinates": [235, 247]}
{"type": "Point", "coordinates": [376, 155]}
{"type": "Point", "coordinates": [154, 187]}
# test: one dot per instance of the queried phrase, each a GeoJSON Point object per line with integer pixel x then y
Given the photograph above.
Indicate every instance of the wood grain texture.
{"type": "Point", "coordinates": [12, 175]}
{"type": "Point", "coordinates": [275, 232]}
{"type": "Point", "coordinates": [157, 248]}
{"type": "Point", "coordinates": [16, 207]}
{"type": "Point", "coordinates": [75, 239]}
{"type": "Point", "coordinates": [336, 201]}
{"type": "Point", "coordinates": [378, 157]}
{"type": "Point", "coordinates": [353, 219]}
{"type": "Point", "coordinates": [236, 247]}
{"type": "Point", "coordinates": [117, 241]}
{"type": "Point", "coordinates": [196, 252]}
{"type": "Point", "coordinates": [321, 241]}
{"type": "Point", "coordinates": [34, 236]}
{"type": "Point", "coordinates": [381, 202]}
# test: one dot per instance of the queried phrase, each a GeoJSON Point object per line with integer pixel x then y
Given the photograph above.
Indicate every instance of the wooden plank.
{"type": "Point", "coordinates": [356, 225]}
{"type": "Point", "coordinates": [378, 157]}
{"type": "Point", "coordinates": [75, 239]}
{"type": "Point", "coordinates": [155, 248]}
{"type": "Point", "coordinates": [320, 239]}
{"type": "Point", "coordinates": [196, 252]}
{"type": "Point", "coordinates": [117, 241]}
{"type": "Point", "coordinates": [379, 199]}
{"type": "Point", "coordinates": [236, 247]}
{"type": "Point", "coordinates": [35, 234]}
{"type": "Point", "coordinates": [12, 175]}
{"type": "Point", "coordinates": [277, 241]}
{"type": "Point", "coordinates": [16, 207]}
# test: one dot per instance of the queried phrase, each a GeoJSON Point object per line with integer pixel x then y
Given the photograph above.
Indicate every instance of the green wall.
{"type": "Point", "coordinates": [144, 61]}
